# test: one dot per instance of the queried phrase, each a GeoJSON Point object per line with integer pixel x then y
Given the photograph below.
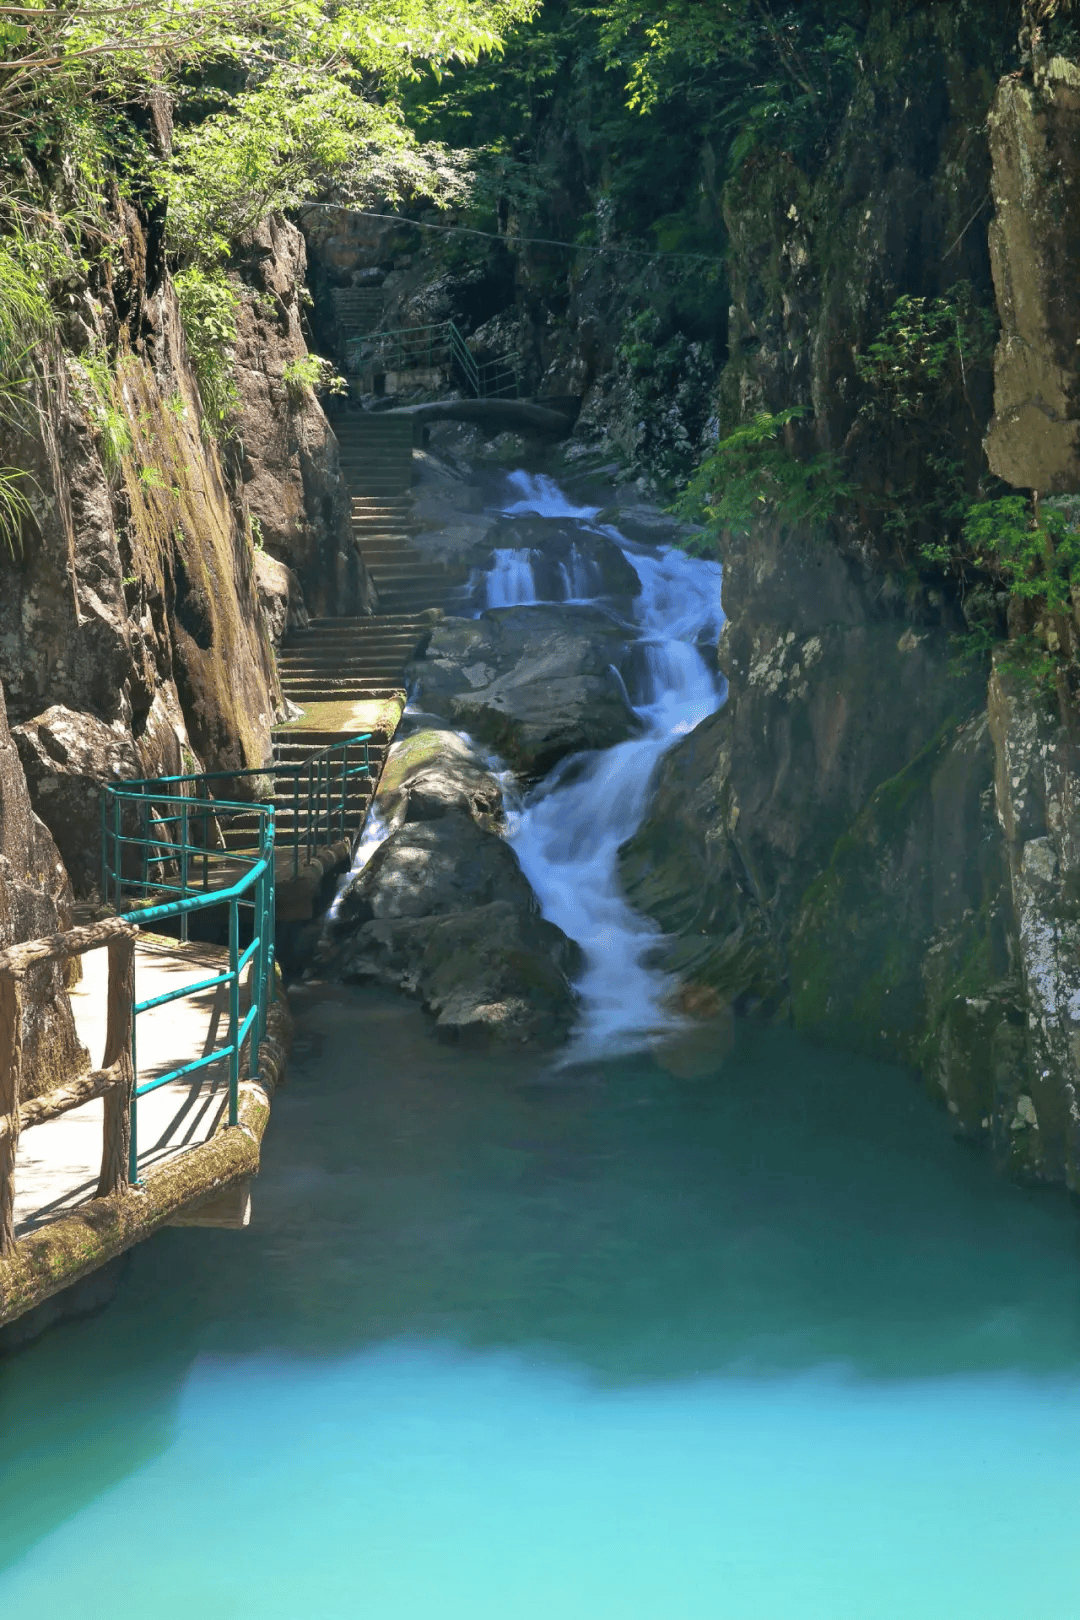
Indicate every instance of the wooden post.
{"type": "Point", "coordinates": [116, 1139]}
{"type": "Point", "coordinates": [10, 1087]}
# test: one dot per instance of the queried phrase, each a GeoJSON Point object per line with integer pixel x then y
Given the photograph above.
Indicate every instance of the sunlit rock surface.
{"type": "Point", "coordinates": [532, 682]}
{"type": "Point", "coordinates": [442, 909]}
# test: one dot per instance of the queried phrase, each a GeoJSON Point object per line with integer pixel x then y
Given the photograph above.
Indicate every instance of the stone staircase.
{"type": "Point", "coordinates": [348, 675]}
{"type": "Point", "coordinates": [358, 310]}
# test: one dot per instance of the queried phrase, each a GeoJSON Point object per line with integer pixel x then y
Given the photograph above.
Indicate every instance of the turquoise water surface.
{"type": "Point", "coordinates": [603, 1344]}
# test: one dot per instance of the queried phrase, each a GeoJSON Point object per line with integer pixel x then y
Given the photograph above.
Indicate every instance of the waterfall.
{"type": "Point", "coordinates": [510, 580]}
{"type": "Point", "coordinates": [567, 832]}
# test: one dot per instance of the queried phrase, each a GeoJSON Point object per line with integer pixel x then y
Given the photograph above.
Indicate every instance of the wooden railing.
{"type": "Point", "coordinates": [113, 1081]}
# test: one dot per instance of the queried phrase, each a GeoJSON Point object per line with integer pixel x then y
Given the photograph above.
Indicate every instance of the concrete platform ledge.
{"type": "Point", "coordinates": [216, 1173]}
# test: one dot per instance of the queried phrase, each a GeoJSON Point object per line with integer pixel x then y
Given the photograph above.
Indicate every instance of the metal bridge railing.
{"type": "Point", "coordinates": [155, 841]}
{"type": "Point", "coordinates": [319, 800]}
{"type": "Point", "coordinates": [169, 848]}
{"type": "Point", "coordinates": [442, 345]}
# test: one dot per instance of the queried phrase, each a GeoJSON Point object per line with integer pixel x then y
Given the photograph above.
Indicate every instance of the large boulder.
{"type": "Point", "coordinates": [534, 683]}
{"type": "Point", "coordinates": [280, 597]}
{"type": "Point", "coordinates": [35, 900]}
{"type": "Point", "coordinates": [429, 868]}
{"type": "Point", "coordinates": [443, 911]}
{"type": "Point", "coordinates": [67, 757]}
{"type": "Point", "coordinates": [567, 561]}
{"type": "Point", "coordinates": [433, 772]}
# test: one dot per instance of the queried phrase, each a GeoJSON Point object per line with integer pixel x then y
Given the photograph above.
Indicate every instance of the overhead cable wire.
{"type": "Point", "coordinates": [509, 241]}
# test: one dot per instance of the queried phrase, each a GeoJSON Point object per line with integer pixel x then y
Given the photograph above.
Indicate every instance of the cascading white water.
{"type": "Point", "coordinates": [582, 580]}
{"type": "Point", "coordinates": [567, 833]}
{"type": "Point", "coordinates": [510, 580]}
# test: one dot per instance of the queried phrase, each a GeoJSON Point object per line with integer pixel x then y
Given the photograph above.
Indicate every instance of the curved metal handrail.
{"type": "Point", "coordinates": [155, 848]}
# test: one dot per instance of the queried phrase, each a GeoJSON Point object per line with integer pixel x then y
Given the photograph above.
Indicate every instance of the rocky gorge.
{"type": "Point", "coordinates": [872, 838]}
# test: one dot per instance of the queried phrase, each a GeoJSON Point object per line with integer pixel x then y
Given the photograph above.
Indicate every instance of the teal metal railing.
{"type": "Point", "coordinates": [320, 800]}
{"type": "Point", "coordinates": [157, 841]}
{"type": "Point", "coordinates": [442, 345]}
{"type": "Point", "coordinates": [169, 848]}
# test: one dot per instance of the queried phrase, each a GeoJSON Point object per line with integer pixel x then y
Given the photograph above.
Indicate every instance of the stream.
{"type": "Point", "coordinates": [515, 1340]}
{"type": "Point", "coordinates": [567, 833]}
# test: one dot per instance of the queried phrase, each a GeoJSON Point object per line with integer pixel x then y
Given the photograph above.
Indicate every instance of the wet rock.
{"type": "Point", "coordinates": [432, 773]}
{"type": "Point", "coordinates": [1037, 791]}
{"type": "Point", "coordinates": [496, 973]}
{"type": "Point", "coordinates": [429, 868]}
{"type": "Point", "coordinates": [567, 560]}
{"type": "Point", "coordinates": [647, 524]}
{"type": "Point", "coordinates": [533, 683]}
{"type": "Point", "coordinates": [443, 911]}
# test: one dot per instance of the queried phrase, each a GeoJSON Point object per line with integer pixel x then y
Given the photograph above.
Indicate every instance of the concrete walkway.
{"type": "Point", "coordinates": [56, 1168]}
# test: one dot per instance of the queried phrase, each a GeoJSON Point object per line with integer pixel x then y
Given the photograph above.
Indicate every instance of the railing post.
{"type": "Point", "coordinates": [10, 1088]}
{"type": "Point", "coordinates": [184, 870]}
{"type": "Point", "coordinates": [133, 1118]}
{"type": "Point", "coordinates": [206, 839]}
{"type": "Point", "coordinates": [296, 823]}
{"type": "Point", "coordinates": [118, 851]}
{"type": "Point", "coordinates": [145, 835]}
{"type": "Point", "coordinates": [119, 1135]}
{"type": "Point", "coordinates": [234, 1010]}
{"type": "Point", "coordinates": [104, 848]}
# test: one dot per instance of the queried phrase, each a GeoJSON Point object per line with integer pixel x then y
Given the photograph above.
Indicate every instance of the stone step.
{"type": "Point", "coordinates": [290, 663]}
{"type": "Point", "coordinates": [295, 742]}
{"type": "Point", "coordinates": [403, 624]}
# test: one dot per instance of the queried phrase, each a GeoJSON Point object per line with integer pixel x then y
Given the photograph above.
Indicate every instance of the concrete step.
{"type": "Point", "coordinates": [325, 657]}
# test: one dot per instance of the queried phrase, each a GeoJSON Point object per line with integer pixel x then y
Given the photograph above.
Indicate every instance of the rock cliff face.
{"type": "Point", "coordinates": [1034, 438]}
{"type": "Point", "coordinates": [291, 480]}
{"type": "Point", "coordinates": [132, 637]}
{"type": "Point", "coordinates": [864, 841]}
{"type": "Point", "coordinates": [35, 899]}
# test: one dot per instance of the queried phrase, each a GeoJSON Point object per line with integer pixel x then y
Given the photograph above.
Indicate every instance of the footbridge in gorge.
{"type": "Point", "coordinates": [173, 979]}
{"type": "Point", "coordinates": [173, 995]}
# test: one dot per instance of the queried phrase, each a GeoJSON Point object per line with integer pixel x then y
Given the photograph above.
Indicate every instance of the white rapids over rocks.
{"type": "Point", "coordinates": [567, 832]}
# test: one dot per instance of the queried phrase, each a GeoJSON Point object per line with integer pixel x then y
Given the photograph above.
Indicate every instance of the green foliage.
{"type": "Point", "coordinates": [26, 319]}
{"type": "Point", "coordinates": [926, 349]}
{"type": "Point", "coordinates": [925, 378]}
{"type": "Point", "coordinates": [208, 306]}
{"type": "Point", "coordinates": [311, 371]}
{"type": "Point", "coordinates": [772, 75]}
{"type": "Point", "coordinates": [751, 475]}
{"type": "Point", "coordinates": [1037, 554]}
{"type": "Point", "coordinates": [1033, 549]}
{"type": "Point", "coordinates": [14, 507]}
{"type": "Point", "coordinates": [105, 404]}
